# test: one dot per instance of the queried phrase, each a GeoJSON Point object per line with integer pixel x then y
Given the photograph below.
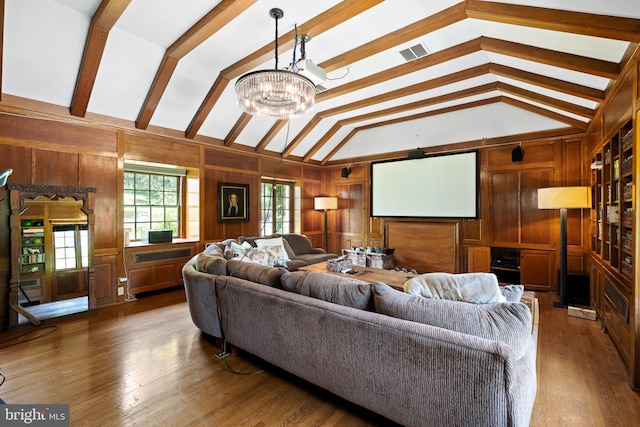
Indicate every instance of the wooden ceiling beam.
{"type": "Point", "coordinates": [398, 93]}
{"type": "Point", "coordinates": [610, 27]}
{"type": "Point", "coordinates": [237, 129]}
{"type": "Point", "coordinates": [266, 140]}
{"type": "Point", "coordinates": [403, 35]}
{"type": "Point", "coordinates": [547, 100]}
{"type": "Point", "coordinates": [562, 86]}
{"type": "Point", "coordinates": [436, 58]}
{"type": "Point", "coordinates": [403, 108]}
{"type": "Point", "coordinates": [102, 21]}
{"type": "Point", "coordinates": [597, 67]}
{"type": "Point", "coordinates": [448, 79]}
{"type": "Point", "coordinates": [446, 110]}
{"type": "Point", "coordinates": [225, 12]}
{"type": "Point", "coordinates": [325, 21]}
{"type": "Point", "coordinates": [546, 113]}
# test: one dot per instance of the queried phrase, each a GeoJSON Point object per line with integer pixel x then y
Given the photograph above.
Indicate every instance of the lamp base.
{"type": "Point", "coordinates": [559, 304]}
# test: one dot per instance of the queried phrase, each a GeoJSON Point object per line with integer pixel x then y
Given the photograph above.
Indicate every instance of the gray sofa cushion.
{"type": "Point", "coordinates": [299, 243]}
{"type": "Point", "coordinates": [506, 322]}
{"type": "Point", "coordinates": [253, 272]}
{"type": "Point", "coordinates": [212, 264]}
{"type": "Point", "coordinates": [329, 287]}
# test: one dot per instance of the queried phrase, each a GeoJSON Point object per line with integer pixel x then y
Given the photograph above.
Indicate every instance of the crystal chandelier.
{"type": "Point", "coordinates": [276, 94]}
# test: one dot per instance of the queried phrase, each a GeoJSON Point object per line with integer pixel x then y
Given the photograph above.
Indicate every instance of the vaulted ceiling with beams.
{"type": "Point", "coordinates": [505, 70]}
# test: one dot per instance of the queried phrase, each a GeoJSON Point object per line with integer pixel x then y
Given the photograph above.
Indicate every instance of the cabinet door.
{"type": "Point", "coordinates": [479, 259]}
{"type": "Point", "coordinates": [537, 269]}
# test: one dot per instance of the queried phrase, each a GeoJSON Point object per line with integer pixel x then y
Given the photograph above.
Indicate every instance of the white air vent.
{"type": "Point", "coordinates": [414, 52]}
{"type": "Point", "coordinates": [320, 88]}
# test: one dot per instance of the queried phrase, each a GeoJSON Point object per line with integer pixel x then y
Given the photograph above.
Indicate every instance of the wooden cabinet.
{"type": "Point", "coordinates": [156, 266]}
{"type": "Point", "coordinates": [532, 267]}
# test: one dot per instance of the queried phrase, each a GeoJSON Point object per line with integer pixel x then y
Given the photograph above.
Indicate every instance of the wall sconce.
{"type": "Point", "coordinates": [324, 204]}
{"type": "Point", "coordinates": [345, 172]}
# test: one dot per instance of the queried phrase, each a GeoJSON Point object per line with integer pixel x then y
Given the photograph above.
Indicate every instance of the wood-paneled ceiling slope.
{"type": "Point", "coordinates": [494, 71]}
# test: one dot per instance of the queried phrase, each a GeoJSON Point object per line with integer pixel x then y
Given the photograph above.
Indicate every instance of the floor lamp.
{"type": "Point", "coordinates": [324, 204]}
{"type": "Point", "coordinates": [563, 198]}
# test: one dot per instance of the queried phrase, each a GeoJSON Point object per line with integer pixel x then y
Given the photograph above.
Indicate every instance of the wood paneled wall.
{"type": "Point", "coordinates": [49, 151]}
{"type": "Point", "coordinates": [59, 152]}
{"type": "Point", "coordinates": [509, 215]}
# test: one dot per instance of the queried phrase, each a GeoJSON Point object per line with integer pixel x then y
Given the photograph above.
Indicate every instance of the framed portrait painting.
{"type": "Point", "coordinates": [233, 202]}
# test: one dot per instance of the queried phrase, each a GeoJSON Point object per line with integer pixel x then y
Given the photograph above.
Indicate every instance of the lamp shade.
{"type": "Point", "coordinates": [564, 197]}
{"type": "Point", "coordinates": [322, 203]}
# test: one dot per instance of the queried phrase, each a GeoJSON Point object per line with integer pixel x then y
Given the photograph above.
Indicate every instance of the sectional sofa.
{"type": "Point", "coordinates": [415, 361]}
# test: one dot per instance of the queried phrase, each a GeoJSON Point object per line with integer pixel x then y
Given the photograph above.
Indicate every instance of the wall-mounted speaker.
{"type": "Point", "coordinates": [345, 172]}
{"type": "Point", "coordinates": [416, 154]}
{"type": "Point", "coordinates": [517, 154]}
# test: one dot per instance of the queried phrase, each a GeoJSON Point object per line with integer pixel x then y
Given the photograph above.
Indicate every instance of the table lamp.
{"type": "Point", "coordinates": [563, 198]}
{"type": "Point", "coordinates": [325, 203]}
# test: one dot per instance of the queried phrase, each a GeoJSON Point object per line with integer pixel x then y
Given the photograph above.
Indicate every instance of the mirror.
{"type": "Point", "coordinates": [51, 235]}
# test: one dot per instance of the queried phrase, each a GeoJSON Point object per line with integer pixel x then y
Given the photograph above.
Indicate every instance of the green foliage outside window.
{"type": "Point", "coordinates": [276, 207]}
{"type": "Point", "coordinates": [151, 202]}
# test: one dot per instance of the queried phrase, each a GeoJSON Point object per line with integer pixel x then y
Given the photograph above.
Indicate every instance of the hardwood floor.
{"type": "Point", "coordinates": [145, 363]}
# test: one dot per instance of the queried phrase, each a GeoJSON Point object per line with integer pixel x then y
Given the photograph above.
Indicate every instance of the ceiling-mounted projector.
{"type": "Point", "coordinates": [307, 68]}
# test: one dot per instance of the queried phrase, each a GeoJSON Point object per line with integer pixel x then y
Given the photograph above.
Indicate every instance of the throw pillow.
{"type": "Point", "coordinates": [478, 288]}
{"type": "Point", "coordinates": [212, 264]}
{"type": "Point", "coordinates": [277, 241]}
{"type": "Point", "coordinates": [267, 255]}
{"type": "Point", "coordinates": [329, 287]}
{"type": "Point", "coordinates": [508, 322]}
{"type": "Point", "coordinates": [513, 293]}
{"type": "Point", "coordinates": [240, 249]}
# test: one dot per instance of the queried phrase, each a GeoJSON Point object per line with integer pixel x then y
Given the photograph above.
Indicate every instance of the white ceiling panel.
{"type": "Point", "coordinates": [125, 73]}
{"type": "Point", "coordinates": [42, 50]}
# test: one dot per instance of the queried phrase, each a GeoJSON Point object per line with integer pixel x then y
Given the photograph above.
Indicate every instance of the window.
{"type": "Point", "coordinates": [71, 246]}
{"type": "Point", "coordinates": [151, 202]}
{"type": "Point", "coordinates": [161, 197]}
{"type": "Point", "coordinates": [276, 201]}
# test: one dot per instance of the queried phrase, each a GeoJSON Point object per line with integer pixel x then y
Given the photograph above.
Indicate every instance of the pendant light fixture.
{"type": "Point", "coordinates": [276, 94]}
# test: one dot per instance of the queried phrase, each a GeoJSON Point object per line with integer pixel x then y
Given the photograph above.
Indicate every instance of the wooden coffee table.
{"type": "Point", "coordinates": [393, 278]}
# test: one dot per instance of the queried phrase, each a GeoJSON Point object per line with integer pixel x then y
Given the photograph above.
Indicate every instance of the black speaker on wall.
{"type": "Point", "coordinates": [345, 172]}
{"type": "Point", "coordinates": [517, 154]}
{"type": "Point", "coordinates": [416, 154]}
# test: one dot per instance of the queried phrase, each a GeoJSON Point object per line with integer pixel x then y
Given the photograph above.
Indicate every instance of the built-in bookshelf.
{"type": "Point", "coordinates": [613, 242]}
{"type": "Point", "coordinates": [612, 217]}
{"type": "Point", "coordinates": [32, 246]}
